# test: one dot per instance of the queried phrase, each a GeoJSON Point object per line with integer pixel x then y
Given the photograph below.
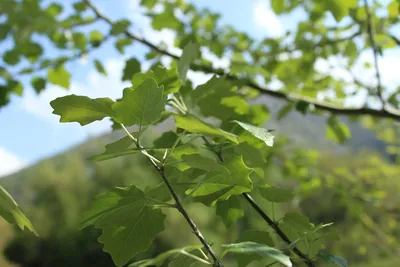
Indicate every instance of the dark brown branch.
{"type": "Point", "coordinates": [266, 218]}
{"type": "Point", "coordinates": [375, 48]}
{"type": "Point", "coordinates": [393, 114]}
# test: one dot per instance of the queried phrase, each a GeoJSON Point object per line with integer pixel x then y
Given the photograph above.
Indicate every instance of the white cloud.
{"type": "Point", "coordinates": [95, 85]}
{"type": "Point", "coordinates": [9, 163]}
{"type": "Point", "coordinates": [266, 20]}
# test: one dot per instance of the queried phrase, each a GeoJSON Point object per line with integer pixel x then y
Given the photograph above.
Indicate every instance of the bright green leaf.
{"type": "Point", "coordinates": [142, 105]}
{"type": "Point", "coordinates": [12, 213]}
{"type": "Point", "coordinates": [278, 6]}
{"type": "Point", "coordinates": [96, 38]}
{"type": "Point", "coordinates": [258, 132]}
{"type": "Point", "coordinates": [260, 249]}
{"type": "Point", "coordinates": [195, 125]}
{"type": "Point", "coordinates": [59, 76]}
{"type": "Point", "coordinates": [128, 221]}
{"type": "Point", "coordinates": [82, 109]}
{"type": "Point", "coordinates": [79, 40]}
{"type": "Point", "coordinates": [394, 9]}
{"type": "Point", "coordinates": [121, 43]}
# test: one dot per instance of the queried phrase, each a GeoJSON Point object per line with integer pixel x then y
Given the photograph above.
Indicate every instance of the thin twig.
{"type": "Point", "coordinates": [160, 169]}
{"type": "Point", "coordinates": [267, 219]}
{"type": "Point", "coordinates": [371, 35]}
{"type": "Point", "coordinates": [393, 113]}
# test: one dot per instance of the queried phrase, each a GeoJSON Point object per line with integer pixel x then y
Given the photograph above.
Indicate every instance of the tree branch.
{"type": "Point", "coordinates": [267, 219]}
{"type": "Point", "coordinates": [371, 35]}
{"type": "Point", "coordinates": [393, 114]}
{"type": "Point", "coordinates": [160, 169]}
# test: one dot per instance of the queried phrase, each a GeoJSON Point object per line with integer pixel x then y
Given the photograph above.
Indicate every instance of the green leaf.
{"type": "Point", "coordinates": [166, 140]}
{"type": "Point", "coordinates": [238, 103]}
{"type": "Point", "coordinates": [230, 211]}
{"type": "Point", "coordinates": [80, 6]}
{"type": "Point", "coordinates": [340, 8]}
{"type": "Point", "coordinates": [54, 9]}
{"type": "Point", "coordinates": [142, 105]}
{"type": "Point", "coordinates": [189, 54]}
{"type": "Point", "coordinates": [148, 3]}
{"type": "Point", "coordinates": [120, 26]}
{"type": "Point", "coordinates": [167, 77]}
{"type": "Point", "coordinates": [161, 258]}
{"type": "Point", "coordinates": [275, 194]}
{"type": "Point", "coordinates": [394, 9]}
{"type": "Point", "coordinates": [337, 130]}
{"type": "Point", "coordinates": [117, 149]}
{"type": "Point", "coordinates": [11, 57]}
{"type": "Point", "coordinates": [260, 249]}
{"type": "Point", "coordinates": [59, 76]}
{"type": "Point", "coordinates": [260, 237]}
{"type": "Point", "coordinates": [96, 38]}
{"type": "Point", "coordinates": [183, 260]}
{"type": "Point", "coordinates": [132, 66]}
{"type": "Point", "coordinates": [39, 84]}
{"type": "Point", "coordinates": [79, 40]}
{"type": "Point", "coordinates": [128, 221]}
{"type": "Point", "coordinates": [278, 6]}
{"type": "Point", "coordinates": [198, 162]}
{"type": "Point", "coordinates": [82, 109]}
{"type": "Point", "coordinates": [329, 258]}
{"type": "Point", "coordinates": [99, 67]}
{"type": "Point", "coordinates": [12, 213]}
{"type": "Point", "coordinates": [297, 222]}
{"type": "Point", "coordinates": [165, 20]}
{"type": "Point", "coordinates": [193, 124]}
{"type": "Point", "coordinates": [234, 177]}
{"type": "Point", "coordinates": [284, 111]}
{"type": "Point", "coordinates": [122, 43]}
{"type": "Point", "coordinates": [258, 132]}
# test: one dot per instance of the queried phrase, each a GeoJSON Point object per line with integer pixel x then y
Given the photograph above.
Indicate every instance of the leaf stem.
{"type": "Point", "coordinates": [195, 257]}
{"type": "Point", "coordinates": [173, 147]}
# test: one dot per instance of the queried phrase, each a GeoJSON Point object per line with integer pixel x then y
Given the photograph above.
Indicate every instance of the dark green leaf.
{"type": "Point", "coordinates": [128, 221]}
{"type": "Point", "coordinates": [142, 105]}
{"type": "Point", "coordinates": [38, 83]}
{"type": "Point", "coordinates": [260, 237]}
{"type": "Point", "coordinates": [11, 57]}
{"type": "Point", "coordinates": [329, 258]}
{"type": "Point", "coordinates": [117, 149]}
{"type": "Point", "coordinates": [82, 109]}
{"type": "Point", "coordinates": [132, 66]}
{"type": "Point", "coordinates": [284, 111]}
{"type": "Point", "coordinates": [122, 43]}
{"type": "Point", "coordinates": [79, 40]}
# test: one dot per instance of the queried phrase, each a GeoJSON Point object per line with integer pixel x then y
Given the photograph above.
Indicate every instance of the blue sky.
{"type": "Point", "coordinates": [31, 132]}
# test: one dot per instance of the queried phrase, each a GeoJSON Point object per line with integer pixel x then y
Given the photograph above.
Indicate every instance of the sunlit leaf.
{"type": "Point", "coordinates": [142, 105]}
{"type": "Point", "coordinates": [258, 132]}
{"type": "Point", "coordinates": [99, 67]}
{"type": "Point", "coordinates": [59, 76]}
{"type": "Point", "coordinates": [12, 213]}
{"type": "Point", "coordinates": [82, 109]}
{"type": "Point", "coordinates": [230, 211]}
{"type": "Point", "coordinates": [195, 125]}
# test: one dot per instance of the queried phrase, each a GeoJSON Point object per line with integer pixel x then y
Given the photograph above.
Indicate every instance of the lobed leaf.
{"type": "Point", "coordinates": [82, 109]}
{"type": "Point", "coordinates": [258, 132]}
